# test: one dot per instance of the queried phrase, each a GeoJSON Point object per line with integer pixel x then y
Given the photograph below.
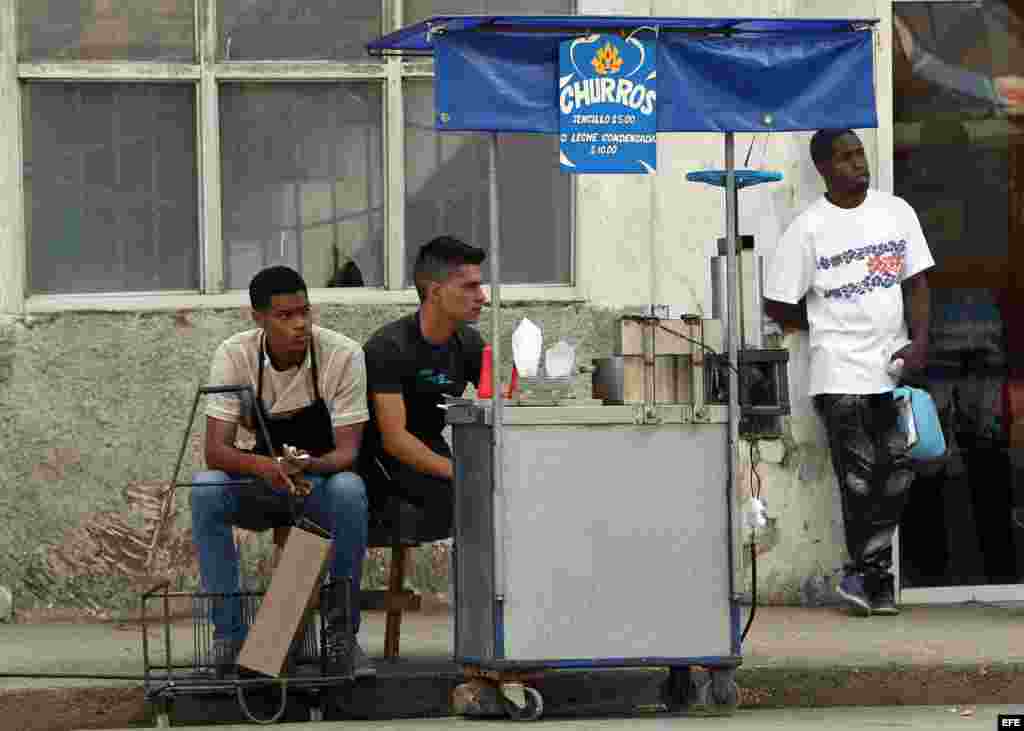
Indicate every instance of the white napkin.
{"type": "Point", "coordinates": [560, 360]}
{"type": "Point", "coordinates": [527, 342]}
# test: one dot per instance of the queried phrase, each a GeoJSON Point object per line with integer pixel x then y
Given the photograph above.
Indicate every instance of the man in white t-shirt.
{"type": "Point", "coordinates": [851, 269]}
{"type": "Point", "coordinates": [310, 388]}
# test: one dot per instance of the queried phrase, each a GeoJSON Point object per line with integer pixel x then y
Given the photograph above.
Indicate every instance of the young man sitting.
{"type": "Point", "coordinates": [310, 385]}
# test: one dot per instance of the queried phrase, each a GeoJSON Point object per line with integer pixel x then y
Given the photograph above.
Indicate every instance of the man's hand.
{"type": "Point", "coordinates": [1011, 89]}
{"type": "Point", "coordinates": [284, 476]}
{"type": "Point", "coordinates": [914, 356]}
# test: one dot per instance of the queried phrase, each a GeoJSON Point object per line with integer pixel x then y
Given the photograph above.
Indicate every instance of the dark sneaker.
{"type": "Point", "coordinates": [339, 652]}
{"type": "Point", "coordinates": [883, 596]}
{"type": "Point", "coordinates": [225, 656]}
{"type": "Point", "coordinates": [362, 665]}
{"type": "Point", "coordinates": [851, 589]}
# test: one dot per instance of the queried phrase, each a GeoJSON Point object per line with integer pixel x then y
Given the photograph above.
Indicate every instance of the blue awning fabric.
{"type": "Point", "coordinates": [500, 73]}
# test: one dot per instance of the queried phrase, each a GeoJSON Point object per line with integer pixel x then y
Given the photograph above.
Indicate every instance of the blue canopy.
{"type": "Point", "coordinates": [500, 73]}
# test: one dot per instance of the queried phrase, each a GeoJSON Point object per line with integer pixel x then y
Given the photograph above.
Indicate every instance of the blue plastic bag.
{"type": "Point", "coordinates": [920, 421]}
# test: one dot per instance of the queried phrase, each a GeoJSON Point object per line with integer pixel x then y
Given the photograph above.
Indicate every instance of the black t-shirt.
{"type": "Point", "coordinates": [400, 360]}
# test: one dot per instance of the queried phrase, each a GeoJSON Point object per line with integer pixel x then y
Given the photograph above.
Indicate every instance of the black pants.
{"type": "Point", "coordinates": [434, 496]}
{"type": "Point", "coordinates": [869, 454]}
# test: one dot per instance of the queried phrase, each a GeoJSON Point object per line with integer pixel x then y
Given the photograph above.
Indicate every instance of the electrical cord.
{"type": "Point", "coordinates": [756, 492]}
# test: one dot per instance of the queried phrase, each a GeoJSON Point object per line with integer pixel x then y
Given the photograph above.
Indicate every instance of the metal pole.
{"type": "Point", "coordinates": [731, 332]}
{"type": "Point", "coordinates": [496, 420]}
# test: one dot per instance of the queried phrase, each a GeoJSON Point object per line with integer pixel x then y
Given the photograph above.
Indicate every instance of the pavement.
{"type": "Point", "coordinates": [949, 656]}
{"type": "Point", "coordinates": [834, 719]}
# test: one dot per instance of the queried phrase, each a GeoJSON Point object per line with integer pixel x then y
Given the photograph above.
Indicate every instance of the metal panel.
{"type": "Point", "coordinates": [616, 543]}
{"type": "Point", "coordinates": [474, 539]}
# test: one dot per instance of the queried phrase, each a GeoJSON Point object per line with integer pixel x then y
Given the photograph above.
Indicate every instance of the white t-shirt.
{"type": "Point", "coordinates": [340, 363]}
{"type": "Point", "coordinates": [850, 262]}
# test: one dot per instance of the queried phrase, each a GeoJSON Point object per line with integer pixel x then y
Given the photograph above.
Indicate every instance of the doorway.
{"type": "Point", "coordinates": [959, 161]}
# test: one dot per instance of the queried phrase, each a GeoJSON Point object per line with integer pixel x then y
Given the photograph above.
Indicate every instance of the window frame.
{"type": "Point", "coordinates": [206, 75]}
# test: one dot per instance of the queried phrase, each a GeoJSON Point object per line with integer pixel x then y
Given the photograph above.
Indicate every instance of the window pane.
{"type": "Point", "coordinates": [303, 181]}
{"type": "Point", "coordinates": [110, 187]}
{"type": "Point", "coordinates": [298, 29]}
{"type": "Point", "coordinates": [105, 30]}
{"type": "Point", "coordinates": [446, 193]}
{"type": "Point", "coordinates": [415, 10]}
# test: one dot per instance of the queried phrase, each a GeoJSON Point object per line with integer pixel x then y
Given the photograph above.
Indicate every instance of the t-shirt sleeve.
{"type": "Point", "coordinates": [919, 255]}
{"type": "Point", "coordinates": [474, 356]}
{"type": "Point", "coordinates": [348, 403]}
{"type": "Point", "coordinates": [385, 365]}
{"type": "Point", "coordinates": [789, 273]}
{"type": "Point", "coordinates": [224, 372]}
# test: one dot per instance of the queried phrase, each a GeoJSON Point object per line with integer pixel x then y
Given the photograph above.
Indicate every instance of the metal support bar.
{"type": "Point", "coordinates": [732, 330]}
{"type": "Point", "coordinates": [497, 424]}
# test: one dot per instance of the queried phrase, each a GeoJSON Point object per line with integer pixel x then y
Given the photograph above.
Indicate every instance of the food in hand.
{"type": "Point", "coordinates": [294, 453]}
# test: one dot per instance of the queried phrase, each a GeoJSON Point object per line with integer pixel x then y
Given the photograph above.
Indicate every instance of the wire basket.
{"type": "Point", "coordinates": [306, 647]}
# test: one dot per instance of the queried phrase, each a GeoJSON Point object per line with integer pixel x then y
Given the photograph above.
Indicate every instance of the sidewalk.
{"type": "Point", "coordinates": [958, 655]}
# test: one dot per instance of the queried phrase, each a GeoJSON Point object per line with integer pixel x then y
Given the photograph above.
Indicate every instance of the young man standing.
{"type": "Point", "coordinates": [412, 364]}
{"type": "Point", "coordinates": [310, 385]}
{"type": "Point", "coordinates": [849, 269]}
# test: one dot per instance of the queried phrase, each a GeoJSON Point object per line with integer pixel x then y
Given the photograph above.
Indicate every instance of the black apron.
{"type": "Point", "coordinates": [309, 429]}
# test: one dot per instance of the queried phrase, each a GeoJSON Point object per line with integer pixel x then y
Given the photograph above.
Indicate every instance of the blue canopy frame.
{"type": "Point", "coordinates": [499, 73]}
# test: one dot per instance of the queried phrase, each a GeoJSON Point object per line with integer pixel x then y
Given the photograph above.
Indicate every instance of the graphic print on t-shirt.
{"type": "Point", "coordinates": [884, 263]}
{"type": "Point", "coordinates": [433, 377]}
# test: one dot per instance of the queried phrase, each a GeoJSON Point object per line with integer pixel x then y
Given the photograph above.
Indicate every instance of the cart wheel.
{"type": "Point", "coordinates": [724, 691]}
{"type": "Point", "coordinates": [316, 713]}
{"type": "Point", "coordinates": [531, 711]}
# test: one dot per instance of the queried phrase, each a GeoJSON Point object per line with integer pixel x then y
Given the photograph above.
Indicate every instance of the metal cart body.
{"type": "Point", "coordinates": [615, 540]}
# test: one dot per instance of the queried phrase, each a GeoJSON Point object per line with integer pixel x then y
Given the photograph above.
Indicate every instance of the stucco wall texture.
{"type": "Point", "coordinates": [91, 403]}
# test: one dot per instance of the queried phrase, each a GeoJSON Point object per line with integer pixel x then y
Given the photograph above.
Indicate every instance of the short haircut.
{"type": "Point", "coordinates": [271, 281]}
{"type": "Point", "coordinates": [440, 257]}
{"type": "Point", "coordinates": [822, 144]}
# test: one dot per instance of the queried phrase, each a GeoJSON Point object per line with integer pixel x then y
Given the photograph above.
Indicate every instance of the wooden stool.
{"type": "Point", "coordinates": [396, 598]}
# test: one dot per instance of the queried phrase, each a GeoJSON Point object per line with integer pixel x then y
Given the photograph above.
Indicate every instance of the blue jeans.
{"type": "Point", "coordinates": [338, 503]}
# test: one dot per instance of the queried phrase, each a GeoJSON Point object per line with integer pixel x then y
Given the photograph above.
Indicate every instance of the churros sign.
{"type": "Point", "coordinates": [608, 105]}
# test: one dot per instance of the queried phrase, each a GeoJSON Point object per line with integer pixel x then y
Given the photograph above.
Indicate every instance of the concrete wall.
{"type": "Point", "coordinates": [92, 403]}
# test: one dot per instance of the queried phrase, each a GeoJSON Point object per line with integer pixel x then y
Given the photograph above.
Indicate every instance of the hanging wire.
{"type": "Point", "coordinates": [755, 490]}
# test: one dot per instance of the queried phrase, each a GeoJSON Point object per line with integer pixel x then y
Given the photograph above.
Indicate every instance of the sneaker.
{"type": "Point", "coordinates": [224, 655]}
{"type": "Point", "coordinates": [851, 589]}
{"type": "Point", "coordinates": [339, 648]}
{"type": "Point", "coordinates": [362, 665]}
{"type": "Point", "coordinates": [882, 595]}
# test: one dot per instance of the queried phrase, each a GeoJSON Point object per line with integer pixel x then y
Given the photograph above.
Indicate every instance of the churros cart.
{"type": "Point", "coordinates": [593, 533]}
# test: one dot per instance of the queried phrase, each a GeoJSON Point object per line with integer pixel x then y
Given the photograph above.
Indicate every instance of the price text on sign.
{"type": "Point", "coordinates": [1012, 720]}
{"type": "Point", "coordinates": [608, 105]}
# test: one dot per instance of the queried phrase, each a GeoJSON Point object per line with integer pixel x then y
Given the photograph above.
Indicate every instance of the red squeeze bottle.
{"type": "Point", "coordinates": [484, 390]}
{"type": "Point", "coordinates": [514, 384]}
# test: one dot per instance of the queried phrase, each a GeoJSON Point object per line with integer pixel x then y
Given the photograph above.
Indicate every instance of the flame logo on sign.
{"type": "Point", "coordinates": [607, 60]}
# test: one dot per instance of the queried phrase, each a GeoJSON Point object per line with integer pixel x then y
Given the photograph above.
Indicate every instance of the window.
{"type": "Point", "coordinates": [415, 10]}
{"type": "Point", "coordinates": [107, 30]}
{"type": "Point", "coordinates": [303, 180]}
{"type": "Point", "coordinates": [150, 167]}
{"type": "Point", "coordinates": [110, 187]}
{"type": "Point", "coordinates": [297, 29]}
{"type": "Point", "coordinates": [446, 189]}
